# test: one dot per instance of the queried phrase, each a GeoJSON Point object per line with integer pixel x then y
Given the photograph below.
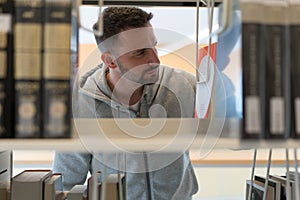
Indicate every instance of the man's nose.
{"type": "Point", "coordinates": [154, 59]}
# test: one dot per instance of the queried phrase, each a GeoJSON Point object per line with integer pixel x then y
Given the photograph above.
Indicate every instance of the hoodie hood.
{"type": "Point", "coordinates": [174, 92]}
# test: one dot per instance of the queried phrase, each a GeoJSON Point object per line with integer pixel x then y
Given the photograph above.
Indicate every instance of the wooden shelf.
{"type": "Point", "coordinates": [172, 134]}
{"type": "Point", "coordinates": [137, 135]}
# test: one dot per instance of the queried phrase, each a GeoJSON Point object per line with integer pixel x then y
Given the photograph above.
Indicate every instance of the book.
{"type": "Point", "coordinates": [28, 25]}
{"type": "Point", "coordinates": [253, 70]}
{"type": "Point", "coordinates": [283, 181]}
{"type": "Point", "coordinates": [28, 48]}
{"type": "Point", "coordinates": [276, 185]}
{"type": "Point", "coordinates": [115, 187]}
{"type": "Point", "coordinates": [57, 28]}
{"type": "Point", "coordinates": [6, 6]}
{"type": "Point", "coordinates": [27, 77]}
{"type": "Point", "coordinates": [29, 184]}
{"type": "Point", "coordinates": [6, 83]}
{"type": "Point", "coordinates": [57, 69]}
{"type": "Point", "coordinates": [57, 95]}
{"type": "Point", "coordinates": [5, 165]}
{"type": "Point", "coordinates": [257, 191]}
{"type": "Point", "coordinates": [4, 190]}
{"type": "Point", "coordinates": [77, 192]}
{"type": "Point", "coordinates": [53, 186]}
{"type": "Point", "coordinates": [92, 189]}
{"type": "Point", "coordinates": [294, 26]}
{"type": "Point", "coordinates": [277, 65]}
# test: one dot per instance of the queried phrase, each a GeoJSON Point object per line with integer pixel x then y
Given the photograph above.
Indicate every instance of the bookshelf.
{"type": "Point", "coordinates": [191, 134]}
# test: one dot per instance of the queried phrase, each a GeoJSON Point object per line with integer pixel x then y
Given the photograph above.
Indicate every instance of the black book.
{"type": "Point", "coordinates": [56, 95]}
{"type": "Point", "coordinates": [6, 83]}
{"type": "Point", "coordinates": [6, 6]}
{"type": "Point", "coordinates": [253, 70]}
{"type": "Point", "coordinates": [57, 69]}
{"type": "Point", "coordinates": [27, 67]}
{"type": "Point", "coordinates": [27, 95]}
{"type": "Point", "coordinates": [294, 20]}
{"type": "Point", "coordinates": [58, 27]}
{"type": "Point", "coordinates": [277, 65]}
{"type": "Point", "coordinates": [28, 25]}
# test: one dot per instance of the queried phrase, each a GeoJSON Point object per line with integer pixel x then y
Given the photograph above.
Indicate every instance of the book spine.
{"type": "Point", "coordinates": [56, 100]}
{"type": "Point", "coordinates": [6, 12]}
{"type": "Point", "coordinates": [253, 70]}
{"type": "Point", "coordinates": [56, 69]}
{"type": "Point", "coordinates": [27, 67]}
{"type": "Point", "coordinates": [5, 166]}
{"type": "Point", "coordinates": [294, 17]}
{"type": "Point", "coordinates": [276, 69]}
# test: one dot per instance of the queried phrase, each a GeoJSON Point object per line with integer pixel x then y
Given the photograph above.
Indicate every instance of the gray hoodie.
{"type": "Point", "coordinates": [159, 176]}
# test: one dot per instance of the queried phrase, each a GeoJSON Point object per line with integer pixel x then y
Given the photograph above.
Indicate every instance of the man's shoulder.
{"type": "Point", "coordinates": [92, 73]}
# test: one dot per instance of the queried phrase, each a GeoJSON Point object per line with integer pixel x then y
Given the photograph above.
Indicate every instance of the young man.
{"type": "Point", "coordinates": [131, 83]}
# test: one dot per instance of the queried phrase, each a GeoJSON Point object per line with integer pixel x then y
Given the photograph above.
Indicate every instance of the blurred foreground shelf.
{"type": "Point", "coordinates": [139, 135]}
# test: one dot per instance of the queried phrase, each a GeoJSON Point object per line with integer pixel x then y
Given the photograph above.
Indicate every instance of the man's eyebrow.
{"type": "Point", "coordinates": [143, 49]}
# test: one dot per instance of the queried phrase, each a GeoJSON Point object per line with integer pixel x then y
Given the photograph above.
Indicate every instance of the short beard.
{"type": "Point", "coordinates": [140, 80]}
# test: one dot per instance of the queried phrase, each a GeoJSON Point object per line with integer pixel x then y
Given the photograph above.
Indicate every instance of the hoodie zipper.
{"type": "Point", "coordinates": [147, 173]}
{"type": "Point", "coordinates": [148, 181]}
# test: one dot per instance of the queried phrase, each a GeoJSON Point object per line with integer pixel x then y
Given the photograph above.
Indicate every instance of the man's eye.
{"type": "Point", "coordinates": [141, 52]}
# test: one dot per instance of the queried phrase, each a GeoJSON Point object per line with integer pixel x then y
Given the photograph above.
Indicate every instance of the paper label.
{"type": "Point", "coordinates": [253, 115]}
{"type": "Point", "coordinates": [297, 114]}
{"type": "Point", "coordinates": [5, 23]}
{"type": "Point", "coordinates": [277, 115]}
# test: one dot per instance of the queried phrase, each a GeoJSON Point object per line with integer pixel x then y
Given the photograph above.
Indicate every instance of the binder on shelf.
{"type": "Point", "coordinates": [29, 184]}
{"type": "Point", "coordinates": [6, 83]}
{"type": "Point", "coordinates": [294, 22]}
{"type": "Point", "coordinates": [277, 61]}
{"type": "Point", "coordinates": [253, 70]}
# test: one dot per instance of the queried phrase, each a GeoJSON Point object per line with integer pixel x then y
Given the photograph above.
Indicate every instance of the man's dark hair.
{"type": "Point", "coordinates": [118, 19]}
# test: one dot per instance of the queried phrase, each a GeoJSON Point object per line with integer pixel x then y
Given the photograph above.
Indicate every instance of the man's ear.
{"type": "Point", "coordinates": [108, 60]}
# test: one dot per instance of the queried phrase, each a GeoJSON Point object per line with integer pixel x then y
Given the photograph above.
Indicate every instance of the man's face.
{"type": "Point", "coordinates": [139, 63]}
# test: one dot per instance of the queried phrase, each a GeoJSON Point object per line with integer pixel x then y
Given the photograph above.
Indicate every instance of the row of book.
{"type": "Point", "coordinates": [45, 185]}
{"type": "Point", "coordinates": [271, 68]}
{"type": "Point", "coordinates": [36, 60]}
{"type": "Point", "coordinates": [277, 187]}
